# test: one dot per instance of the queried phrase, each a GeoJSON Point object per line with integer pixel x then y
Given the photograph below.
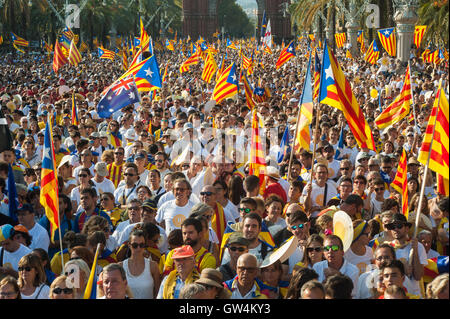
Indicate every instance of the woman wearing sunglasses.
{"type": "Point", "coordinates": [313, 252]}
{"type": "Point", "coordinates": [32, 278]}
{"type": "Point", "coordinates": [142, 273]}
{"type": "Point", "coordinates": [59, 289]}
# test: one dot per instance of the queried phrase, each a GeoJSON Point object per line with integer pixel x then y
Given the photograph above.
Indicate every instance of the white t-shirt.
{"type": "Point", "coordinates": [403, 255]}
{"type": "Point", "coordinates": [173, 215]}
{"type": "Point", "coordinates": [11, 260]}
{"type": "Point", "coordinates": [362, 262]}
{"type": "Point", "coordinates": [347, 269]}
{"type": "Point", "coordinates": [106, 186]}
{"type": "Point", "coordinates": [40, 238]}
{"type": "Point", "coordinates": [41, 292]}
{"type": "Point", "coordinates": [317, 194]}
{"type": "Point", "coordinates": [123, 193]}
{"type": "Point", "coordinates": [333, 169]}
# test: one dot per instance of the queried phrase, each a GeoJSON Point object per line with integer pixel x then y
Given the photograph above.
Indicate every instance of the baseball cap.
{"type": "Point", "coordinates": [149, 203]}
{"type": "Point", "coordinates": [101, 169]}
{"type": "Point", "coordinates": [64, 160]}
{"type": "Point", "coordinates": [184, 251]}
{"type": "Point", "coordinates": [139, 155]}
{"type": "Point", "coordinates": [25, 208]}
{"type": "Point", "coordinates": [187, 126]}
{"type": "Point", "coordinates": [238, 238]}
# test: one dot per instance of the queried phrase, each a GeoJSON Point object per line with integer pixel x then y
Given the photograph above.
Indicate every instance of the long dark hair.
{"type": "Point", "coordinates": [236, 189]}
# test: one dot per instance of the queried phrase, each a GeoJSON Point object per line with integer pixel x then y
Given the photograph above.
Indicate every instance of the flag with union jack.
{"type": "Point", "coordinates": [121, 93]}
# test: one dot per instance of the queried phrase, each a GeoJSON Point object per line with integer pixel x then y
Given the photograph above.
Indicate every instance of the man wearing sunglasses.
{"type": "Point", "coordinates": [299, 226]}
{"type": "Point", "coordinates": [237, 245]}
{"type": "Point", "coordinates": [128, 191]}
{"type": "Point", "coordinates": [335, 262]}
{"type": "Point", "coordinates": [409, 251]}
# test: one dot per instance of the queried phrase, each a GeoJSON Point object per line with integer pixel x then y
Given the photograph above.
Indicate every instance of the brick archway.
{"type": "Point", "coordinates": [199, 18]}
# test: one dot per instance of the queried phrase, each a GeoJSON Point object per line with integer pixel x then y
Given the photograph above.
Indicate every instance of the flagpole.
{"type": "Point", "coordinates": [61, 246]}
{"type": "Point", "coordinates": [315, 145]}
{"type": "Point", "coordinates": [412, 95]}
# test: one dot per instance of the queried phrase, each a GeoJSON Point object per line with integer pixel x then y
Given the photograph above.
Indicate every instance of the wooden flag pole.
{"type": "Point", "coordinates": [412, 95]}
{"type": "Point", "coordinates": [315, 145]}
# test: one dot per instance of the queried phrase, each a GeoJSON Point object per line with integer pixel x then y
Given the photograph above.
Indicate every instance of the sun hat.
{"type": "Point", "coordinates": [184, 251]}
{"type": "Point", "coordinates": [211, 277]}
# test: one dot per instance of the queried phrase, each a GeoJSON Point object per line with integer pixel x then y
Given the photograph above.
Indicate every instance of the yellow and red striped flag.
{"type": "Point", "coordinates": [336, 91]}
{"type": "Point", "coordinates": [74, 54]}
{"type": "Point", "coordinates": [1, 39]}
{"type": "Point", "coordinates": [303, 138]}
{"type": "Point", "coordinates": [348, 55]}
{"type": "Point", "coordinates": [257, 160]}
{"type": "Point", "coordinates": [400, 182]}
{"type": "Point", "coordinates": [59, 59]}
{"type": "Point", "coordinates": [388, 40]}
{"type": "Point", "coordinates": [227, 85]}
{"type": "Point", "coordinates": [209, 69]}
{"type": "Point", "coordinates": [317, 70]}
{"type": "Point", "coordinates": [193, 59]}
{"type": "Point", "coordinates": [442, 185]}
{"type": "Point", "coordinates": [164, 75]}
{"type": "Point", "coordinates": [435, 145]}
{"type": "Point", "coordinates": [286, 54]}
{"type": "Point", "coordinates": [124, 59]}
{"type": "Point", "coordinates": [340, 39]}
{"type": "Point", "coordinates": [372, 53]}
{"type": "Point", "coordinates": [419, 32]}
{"type": "Point", "coordinates": [49, 181]}
{"type": "Point", "coordinates": [248, 90]}
{"type": "Point", "coordinates": [399, 108]}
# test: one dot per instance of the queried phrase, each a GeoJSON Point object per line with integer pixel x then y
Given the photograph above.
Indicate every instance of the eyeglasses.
{"type": "Point", "coordinates": [206, 193]}
{"type": "Point", "coordinates": [245, 210]}
{"type": "Point", "coordinates": [299, 226]}
{"type": "Point", "coordinates": [159, 161]}
{"type": "Point", "coordinates": [59, 290]}
{"type": "Point", "coordinates": [345, 168]}
{"type": "Point", "coordinates": [136, 245]}
{"type": "Point", "coordinates": [118, 153]}
{"type": "Point", "coordinates": [394, 226]}
{"type": "Point", "coordinates": [179, 189]}
{"type": "Point", "coordinates": [240, 249]}
{"type": "Point", "coordinates": [83, 175]}
{"type": "Point", "coordinates": [380, 258]}
{"type": "Point", "coordinates": [134, 208]}
{"type": "Point", "coordinates": [386, 167]}
{"type": "Point", "coordinates": [104, 199]}
{"type": "Point", "coordinates": [331, 247]}
{"type": "Point", "coordinates": [26, 268]}
{"type": "Point", "coordinates": [316, 249]}
{"type": "Point", "coordinates": [379, 189]}
{"type": "Point", "coordinates": [129, 174]}
{"type": "Point", "coordinates": [247, 269]}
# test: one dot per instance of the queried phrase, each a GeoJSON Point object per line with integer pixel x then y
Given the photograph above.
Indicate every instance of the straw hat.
{"type": "Point", "coordinates": [211, 277]}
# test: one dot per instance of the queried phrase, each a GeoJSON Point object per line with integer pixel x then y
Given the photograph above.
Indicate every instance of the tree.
{"type": "Point", "coordinates": [237, 23]}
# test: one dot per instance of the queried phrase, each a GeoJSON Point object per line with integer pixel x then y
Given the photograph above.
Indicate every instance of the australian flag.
{"type": "Point", "coordinates": [121, 93]}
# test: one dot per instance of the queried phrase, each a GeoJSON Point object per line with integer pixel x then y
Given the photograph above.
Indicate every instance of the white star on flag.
{"type": "Point", "coordinates": [148, 72]}
{"type": "Point", "coordinates": [386, 33]}
{"type": "Point", "coordinates": [329, 72]}
{"type": "Point", "coordinates": [234, 77]}
{"type": "Point", "coordinates": [131, 95]}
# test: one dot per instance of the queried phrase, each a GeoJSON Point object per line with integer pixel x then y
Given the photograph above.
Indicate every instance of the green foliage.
{"type": "Point", "coordinates": [434, 14]}
{"type": "Point", "coordinates": [233, 18]}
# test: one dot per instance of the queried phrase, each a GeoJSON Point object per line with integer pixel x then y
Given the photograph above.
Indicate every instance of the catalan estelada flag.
{"type": "Point", "coordinates": [336, 91]}
{"type": "Point", "coordinates": [124, 59]}
{"type": "Point", "coordinates": [227, 85]}
{"type": "Point", "coordinates": [209, 69]}
{"type": "Point", "coordinates": [435, 145]}
{"type": "Point", "coordinates": [248, 91]}
{"type": "Point", "coordinates": [399, 108]}
{"type": "Point", "coordinates": [372, 53]}
{"type": "Point", "coordinates": [164, 76]}
{"type": "Point", "coordinates": [68, 33]}
{"type": "Point", "coordinates": [91, 286]}
{"type": "Point", "coordinates": [261, 95]}
{"type": "Point", "coordinates": [340, 39]}
{"type": "Point", "coordinates": [148, 77]}
{"type": "Point", "coordinates": [106, 54]}
{"type": "Point", "coordinates": [59, 59]}
{"type": "Point", "coordinates": [19, 41]}
{"type": "Point", "coordinates": [257, 160]}
{"type": "Point", "coordinates": [388, 40]}
{"type": "Point", "coordinates": [231, 45]}
{"type": "Point", "coordinates": [419, 32]}
{"type": "Point", "coordinates": [74, 110]}
{"type": "Point", "coordinates": [74, 54]}
{"type": "Point", "coordinates": [144, 39]}
{"type": "Point", "coordinates": [192, 60]}
{"type": "Point", "coordinates": [169, 45]}
{"type": "Point", "coordinates": [303, 138]}
{"type": "Point", "coordinates": [400, 182]}
{"type": "Point", "coordinates": [360, 39]}
{"type": "Point", "coordinates": [286, 54]}
{"type": "Point", "coordinates": [49, 181]}
{"type": "Point", "coordinates": [348, 54]}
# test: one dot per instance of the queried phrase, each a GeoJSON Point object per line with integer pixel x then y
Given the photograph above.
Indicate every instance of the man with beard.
{"type": "Point", "coordinates": [191, 229]}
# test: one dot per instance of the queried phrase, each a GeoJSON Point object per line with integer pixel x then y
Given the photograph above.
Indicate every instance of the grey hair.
{"type": "Point", "coordinates": [115, 266]}
{"type": "Point", "coordinates": [424, 232]}
{"type": "Point", "coordinates": [191, 291]}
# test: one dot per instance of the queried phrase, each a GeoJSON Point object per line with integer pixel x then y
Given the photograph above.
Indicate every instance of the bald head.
{"type": "Point", "coordinates": [247, 260]}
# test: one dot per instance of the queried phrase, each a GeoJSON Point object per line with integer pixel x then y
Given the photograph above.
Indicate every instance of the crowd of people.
{"type": "Point", "coordinates": [161, 190]}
